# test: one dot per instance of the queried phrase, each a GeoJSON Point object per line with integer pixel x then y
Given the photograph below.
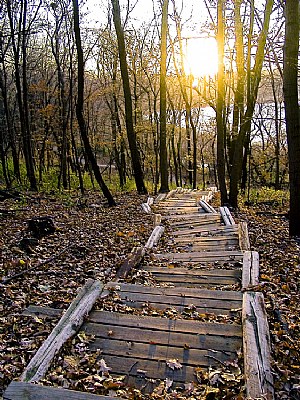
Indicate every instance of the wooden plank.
{"type": "Point", "coordinates": [164, 338]}
{"type": "Point", "coordinates": [134, 258]}
{"type": "Point", "coordinates": [206, 238]}
{"type": "Point", "coordinates": [157, 219]}
{"type": "Point", "coordinates": [250, 276]}
{"type": "Point", "coordinates": [201, 229]}
{"type": "Point", "coordinates": [207, 207]}
{"type": "Point", "coordinates": [227, 239]}
{"type": "Point", "coordinates": [179, 326]}
{"type": "Point", "coordinates": [179, 210]}
{"type": "Point", "coordinates": [226, 215]}
{"type": "Point", "coordinates": [179, 201]}
{"type": "Point", "coordinates": [205, 247]}
{"type": "Point", "coordinates": [152, 351]}
{"type": "Point", "coordinates": [30, 391]}
{"type": "Point", "coordinates": [146, 208]}
{"type": "Point", "coordinates": [199, 280]}
{"type": "Point", "coordinates": [182, 292]}
{"type": "Point", "coordinates": [244, 236]}
{"type": "Point", "coordinates": [160, 198]}
{"type": "Point", "coordinates": [196, 272]}
{"type": "Point", "coordinates": [194, 215]}
{"type": "Point", "coordinates": [196, 221]}
{"type": "Point", "coordinates": [66, 327]}
{"type": "Point", "coordinates": [213, 306]}
{"type": "Point", "coordinates": [154, 237]}
{"type": "Point", "coordinates": [200, 256]}
{"type": "Point", "coordinates": [172, 193]}
{"type": "Point", "coordinates": [256, 340]}
{"type": "Point", "coordinates": [143, 370]}
{"type": "Point", "coordinates": [42, 312]}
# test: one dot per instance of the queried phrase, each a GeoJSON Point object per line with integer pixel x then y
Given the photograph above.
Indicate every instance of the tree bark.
{"type": "Point", "coordinates": [164, 185]}
{"type": "Point", "coordinates": [79, 110]}
{"type": "Point", "coordinates": [22, 89]}
{"type": "Point", "coordinates": [290, 85]}
{"type": "Point", "coordinates": [221, 106]}
{"type": "Point", "coordinates": [236, 170]}
{"type": "Point", "coordinates": [135, 156]}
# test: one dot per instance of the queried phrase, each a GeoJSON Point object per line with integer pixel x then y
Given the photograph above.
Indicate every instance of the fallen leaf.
{"type": "Point", "coordinates": [174, 364]}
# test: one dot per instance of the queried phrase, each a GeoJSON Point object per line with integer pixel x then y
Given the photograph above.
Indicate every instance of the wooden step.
{"type": "Point", "coordinates": [141, 347]}
{"type": "Point", "coordinates": [205, 301]}
{"type": "Point", "coordinates": [187, 277]}
{"type": "Point", "coordinates": [201, 256]}
{"type": "Point", "coordinates": [30, 391]}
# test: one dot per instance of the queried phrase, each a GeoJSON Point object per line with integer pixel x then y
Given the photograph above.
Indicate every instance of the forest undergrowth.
{"type": "Point", "coordinates": [90, 241]}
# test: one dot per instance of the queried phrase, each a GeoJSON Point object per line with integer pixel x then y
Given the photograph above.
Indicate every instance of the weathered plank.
{"type": "Point", "coordinates": [181, 292]}
{"type": "Point", "coordinates": [157, 219]}
{"type": "Point", "coordinates": [66, 327]}
{"type": "Point", "coordinates": [256, 339]}
{"type": "Point", "coordinates": [155, 236]}
{"type": "Point", "coordinates": [153, 351]}
{"type": "Point", "coordinates": [134, 258]}
{"type": "Point", "coordinates": [155, 324]}
{"type": "Point", "coordinates": [194, 272]}
{"type": "Point", "coordinates": [204, 228]}
{"type": "Point", "coordinates": [143, 370]}
{"type": "Point", "coordinates": [200, 256]}
{"type": "Point", "coordinates": [164, 338]}
{"type": "Point", "coordinates": [244, 236]}
{"type": "Point", "coordinates": [200, 219]}
{"type": "Point", "coordinates": [42, 312]}
{"type": "Point", "coordinates": [206, 247]}
{"type": "Point", "coordinates": [228, 239]}
{"type": "Point", "coordinates": [226, 215]}
{"type": "Point", "coordinates": [207, 207]}
{"type": "Point", "coordinates": [250, 275]}
{"type": "Point", "coordinates": [160, 198]}
{"type": "Point", "coordinates": [180, 210]}
{"type": "Point", "coordinates": [30, 391]}
{"type": "Point", "coordinates": [212, 306]}
{"type": "Point", "coordinates": [192, 216]}
{"type": "Point", "coordinates": [146, 208]}
{"type": "Point", "coordinates": [187, 280]}
{"type": "Point", "coordinates": [206, 237]}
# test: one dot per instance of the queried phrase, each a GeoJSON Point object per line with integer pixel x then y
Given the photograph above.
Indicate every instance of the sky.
{"type": "Point", "coordinates": [201, 54]}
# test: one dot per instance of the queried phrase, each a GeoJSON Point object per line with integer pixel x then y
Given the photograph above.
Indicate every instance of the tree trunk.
{"type": "Point", "coordinates": [135, 156]}
{"type": "Point", "coordinates": [164, 185]}
{"type": "Point", "coordinates": [221, 106]}
{"type": "Point", "coordinates": [22, 90]}
{"type": "Point", "coordinates": [79, 110]}
{"type": "Point", "coordinates": [290, 84]}
{"type": "Point", "coordinates": [237, 164]}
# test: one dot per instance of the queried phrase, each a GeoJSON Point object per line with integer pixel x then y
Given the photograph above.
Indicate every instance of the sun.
{"type": "Point", "coordinates": [201, 57]}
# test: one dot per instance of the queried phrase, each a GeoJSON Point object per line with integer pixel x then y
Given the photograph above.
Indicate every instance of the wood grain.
{"type": "Point", "coordinates": [30, 391]}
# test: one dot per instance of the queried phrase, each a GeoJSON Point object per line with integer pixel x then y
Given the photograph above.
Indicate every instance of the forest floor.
{"type": "Point", "coordinates": [91, 241]}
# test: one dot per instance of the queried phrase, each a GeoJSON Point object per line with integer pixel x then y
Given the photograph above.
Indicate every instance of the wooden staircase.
{"type": "Point", "coordinates": [202, 312]}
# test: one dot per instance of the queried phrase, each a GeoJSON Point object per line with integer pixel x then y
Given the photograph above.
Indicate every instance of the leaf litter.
{"type": "Point", "coordinates": [100, 238]}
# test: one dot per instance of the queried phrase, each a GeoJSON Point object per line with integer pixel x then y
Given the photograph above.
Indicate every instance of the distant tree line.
{"type": "Point", "coordinates": [116, 103]}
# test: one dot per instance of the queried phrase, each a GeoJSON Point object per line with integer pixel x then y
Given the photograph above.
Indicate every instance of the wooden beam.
{"type": "Point", "coordinates": [67, 326]}
{"type": "Point", "coordinates": [146, 208]}
{"type": "Point", "coordinates": [160, 197]}
{"type": "Point", "coordinates": [244, 236]}
{"type": "Point", "coordinates": [30, 391]}
{"type": "Point", "coordinates": [157, 219]}
{"type": "Point", "coordinates": [155, 236]}
{"type": "Point", "coordinates": [207, 207]}
{"type": "Point", "coordinates": [226, 215]}
{"type": "Point", "coordinates": [250, 276]}
{"type": "Point", "coordinates": [132, 261]}
{"type": "Point", "coordinates": [256, 339]}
